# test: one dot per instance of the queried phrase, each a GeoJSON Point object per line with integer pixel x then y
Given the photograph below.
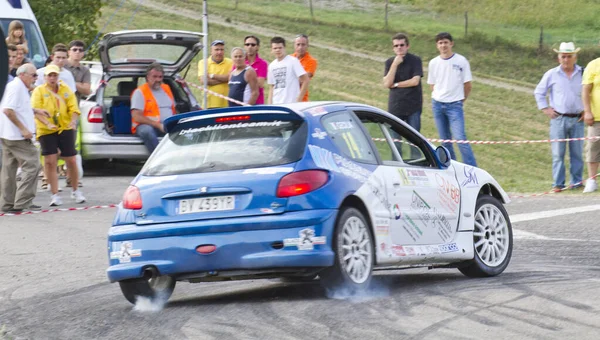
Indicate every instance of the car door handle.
{"type": "Point", "coordinates": [397, 184]}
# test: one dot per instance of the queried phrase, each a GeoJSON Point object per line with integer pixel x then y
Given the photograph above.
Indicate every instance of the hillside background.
{"type": "Point", "coordinates": [350, 39]}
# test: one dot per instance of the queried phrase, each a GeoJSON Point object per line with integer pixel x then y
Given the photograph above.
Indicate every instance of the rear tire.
{"type": "Point", "coordinates": [354, 253]}
{"type": "Point", "coordinates": [492, 239]}
{"type": "Point", "coordinates": [157, 288]}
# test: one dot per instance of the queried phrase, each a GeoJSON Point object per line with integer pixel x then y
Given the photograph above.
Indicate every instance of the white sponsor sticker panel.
{"type": "Point", "coordinates": [123, 251]}
{"type": "Point", "coordinates": [306, 240]}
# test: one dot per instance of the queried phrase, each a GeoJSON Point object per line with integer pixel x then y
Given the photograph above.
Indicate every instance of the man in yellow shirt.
{"type": "Point", "coordinates": [590, 95]}
{"type": "Point", "coordinates": [219, 68]}
{"type": "Point", "coordinates": [57, 132]}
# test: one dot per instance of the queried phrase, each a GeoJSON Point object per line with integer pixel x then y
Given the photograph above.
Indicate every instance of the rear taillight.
{"type": "Point", "coordinates": [301, 182]}
{"type": "Point", "coordinates": [132, 199]}
{"type": "Point", "coordinates": [95, 115]}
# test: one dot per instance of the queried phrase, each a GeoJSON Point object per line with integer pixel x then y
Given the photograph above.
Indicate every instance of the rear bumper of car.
{"type": "Point", "coordinates": [279, 241]}
{"type": "Point", "coordinates": [102, 146]}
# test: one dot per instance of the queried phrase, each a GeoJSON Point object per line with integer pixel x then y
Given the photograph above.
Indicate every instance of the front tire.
{"type": "Point", "coordinates": [492, 239]}
{"type": "Point", "coordinates": [156, 288]}
{"type": "Point", "coordinates": [354, 254]}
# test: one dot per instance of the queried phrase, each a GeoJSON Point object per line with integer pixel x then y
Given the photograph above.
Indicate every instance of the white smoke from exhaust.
{"type": "Point", "coordinates": [376, 290]}
{"type": "Point", "coordinates": [148, 305]}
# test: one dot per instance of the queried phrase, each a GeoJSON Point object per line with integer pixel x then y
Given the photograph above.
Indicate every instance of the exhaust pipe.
{"type": "Point", "coordinates": [150, 272]}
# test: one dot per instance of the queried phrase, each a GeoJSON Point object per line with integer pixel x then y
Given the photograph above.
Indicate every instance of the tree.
{"type": "Point", "coordinates": [64, 20]}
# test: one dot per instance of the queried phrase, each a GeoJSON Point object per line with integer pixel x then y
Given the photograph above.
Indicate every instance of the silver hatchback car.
{"type": "Point", "coordinates": [105, 124]}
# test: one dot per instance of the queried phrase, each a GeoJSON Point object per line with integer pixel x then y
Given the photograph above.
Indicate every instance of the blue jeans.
{"type": "Point", "coordinates": [566, 127]}
{"type": "Point", "coordinates": [450, 122]}
{"type": "Point", "coordinates": [149, 135]}
{"type": "Point", "coordinates": [414, 120]}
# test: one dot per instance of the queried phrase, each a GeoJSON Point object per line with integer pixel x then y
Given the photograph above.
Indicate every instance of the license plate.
{"type": "Point", "coordinates": [206, 204]}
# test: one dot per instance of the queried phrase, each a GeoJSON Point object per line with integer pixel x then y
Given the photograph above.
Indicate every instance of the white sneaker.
{"type": "Point", "coordinates": [77, 195]}
{"type": "Point", "coordinates": [56, 200]}
{"type": "Point", "coordinates": [590, 186]}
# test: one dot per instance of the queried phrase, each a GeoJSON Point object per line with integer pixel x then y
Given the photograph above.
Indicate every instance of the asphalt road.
{"type": "Point", "coordinates": [53, 286]}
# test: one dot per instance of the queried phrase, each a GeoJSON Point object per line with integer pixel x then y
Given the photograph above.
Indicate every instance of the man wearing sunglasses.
{"type": "Point", "coordinates": [17, 133]}
{"type": "Point", "coordinates": [81, 73]}
{"type": "Point", "coordinates": [402, 76]}
{"type": "Point", "coordinates": [251, 45]}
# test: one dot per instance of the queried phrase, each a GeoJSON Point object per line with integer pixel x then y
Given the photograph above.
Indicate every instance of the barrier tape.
{"type": "Point", "coordinates": [115, 205]}
{"type": "Point", "coordinates": [218, 95]}
{"type": "Point", "coordinates": [433, 140]}
{"type": "Point", "coordinates": [437, 140]}
{"type": "Point", "coordinates": [374, 139]}
{"type": "Point", "coordinates": [59, 209]}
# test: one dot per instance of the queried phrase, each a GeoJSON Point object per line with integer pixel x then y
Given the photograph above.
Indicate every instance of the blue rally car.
{"type": "Point", "coordinates": [328, 189]}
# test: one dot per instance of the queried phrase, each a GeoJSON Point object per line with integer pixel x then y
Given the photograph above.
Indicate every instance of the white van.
{"type": "Point", "coordinates": [19, 10]}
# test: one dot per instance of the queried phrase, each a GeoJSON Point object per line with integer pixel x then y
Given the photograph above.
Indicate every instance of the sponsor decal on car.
{"type": "Point", "coordinates": [305, 241]}
{"type": "Point", "coordinates": [215, 127]}
{"type": "Point", "coordinates": [425, 250]}
{"type": "Point", "coordinates": [411, 228]}
{"type": "Point", "coordinates": [382, 230]}
{"type": "Point", "coordinates": [448, 248]}
{"type": "Point", "coordinates": [413, 177]}
{"type": "Point", "coordinates": [155, 180]}
{"type": "Point", "coordinates": [470, 178]}
{"type": "Point", "coordinates": [125, 251]}
{"type": "Point", "coordinates": [317, 111]}
{"type": "Point", "coordinates": [319, 134]}
{"type": "Point", "coordinates": [397, 213]}
{"type": "Point", "coordinates": [398, 250]}
{"type": "Point", "coordinates": [326, 159]}
{"type": "Point", "coordinates": [377, 189]}
{"type": "Point", "coordinates": [341, 125]}
{"type": "Point", "coordinates": [267, 171]}
{"type": "Point", "coordinates": [448, 193]}
{"type": "Point", "coordinates": [431, 216]}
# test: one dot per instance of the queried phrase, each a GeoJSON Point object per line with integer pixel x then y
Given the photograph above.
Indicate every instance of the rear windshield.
{"type": "Point", "coordinates": [132, 53]}
{"type": "Point", "coordinates": [228, 146]}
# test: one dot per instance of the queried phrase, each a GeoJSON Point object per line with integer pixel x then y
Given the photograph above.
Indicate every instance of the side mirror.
{"type": "Point", "coordinates": [443, 155]}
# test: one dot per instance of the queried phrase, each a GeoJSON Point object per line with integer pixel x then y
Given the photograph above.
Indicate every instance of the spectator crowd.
{"type": "Point", "coordinates": [40, 109]}
{"type": "Point", "coordinates": [39, 122]}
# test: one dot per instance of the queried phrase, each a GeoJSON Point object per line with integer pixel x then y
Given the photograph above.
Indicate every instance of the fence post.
{"type": "Point", "coordinates": [387, 2]}
{"type": "Point", "coordinates": [236, 4]}
{"type": "Point", "coordinates": [466, 23]}
{"type": "Point", "coordinates": [312, 15]}
{"type": "Point", "coordinates": [541, 44]}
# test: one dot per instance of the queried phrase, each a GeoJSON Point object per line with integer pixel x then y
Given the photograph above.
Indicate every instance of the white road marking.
{"type": "Point", "coordinates": [552, 213]}
{"type": "Point", "coordinates": [525, 235]}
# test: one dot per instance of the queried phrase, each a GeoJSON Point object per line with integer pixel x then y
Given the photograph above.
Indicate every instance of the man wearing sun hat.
{"type": "Point", "coordinates": [218, 74]}
{"type": "Point", "coordinates": [591, 116]}
{"type": "Point", "coordinates": [562, 86]}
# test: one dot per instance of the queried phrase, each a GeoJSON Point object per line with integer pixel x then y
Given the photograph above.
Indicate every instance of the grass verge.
{"type": "Point", "coordinates": [491, 113]}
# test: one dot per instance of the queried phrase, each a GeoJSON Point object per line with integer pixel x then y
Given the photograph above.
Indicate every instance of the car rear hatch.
{"type": "Point", "coordinates": [132, 51]}
{"type": "Point", "coordinates": [220, 164]}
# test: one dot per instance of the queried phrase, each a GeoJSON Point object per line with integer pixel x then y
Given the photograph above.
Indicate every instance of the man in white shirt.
{"type": "Point", "coordinates": [59, 58]}
{"type": "Point", "coordinates": [17, 132]}
{"type": "Point", "coordinates": [450, 80]}
{"type": "Point", "coordinates": [285, 76]}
